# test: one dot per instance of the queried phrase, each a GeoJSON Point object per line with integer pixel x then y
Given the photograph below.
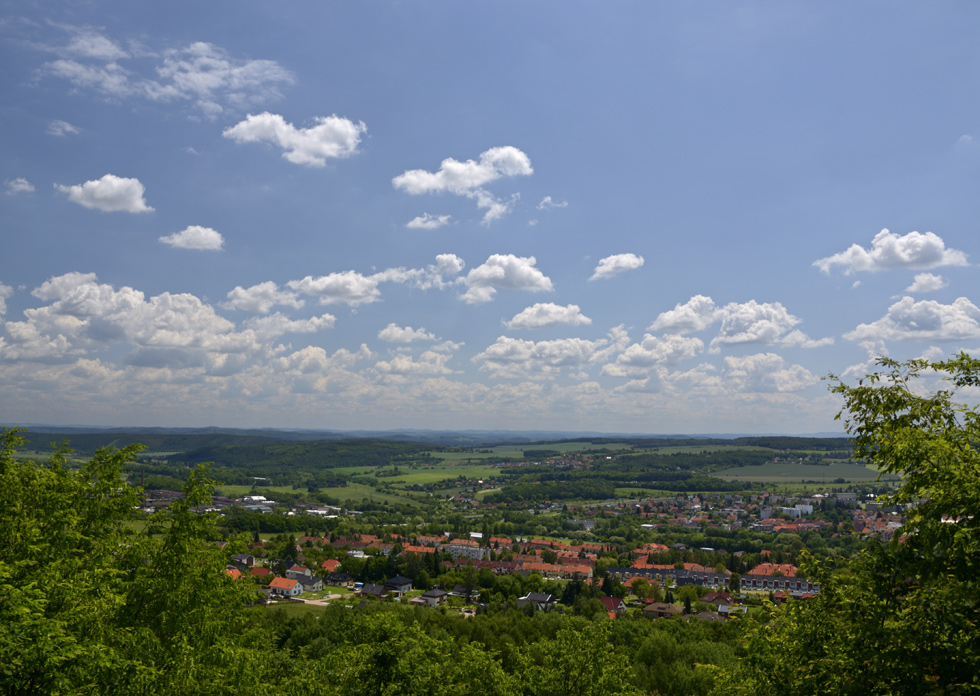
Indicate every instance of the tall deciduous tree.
{"type": "Point", "coordinates": [905, 618]}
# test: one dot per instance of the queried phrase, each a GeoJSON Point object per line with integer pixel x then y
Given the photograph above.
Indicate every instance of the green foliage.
{"type": "Point", "coordinates": [90, 605]}
{"type": "Point", "coordinates": [578, 663]}
{"type": "Point", "coordinates": [905, 619]}
{"type": "Point", "coordinates": [533, 454]}
{"type": "Point", "coordinates": [584, 489]}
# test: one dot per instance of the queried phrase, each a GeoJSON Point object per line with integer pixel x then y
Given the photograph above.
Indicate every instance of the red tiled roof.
{"type": "Point", "coordinates": [283, 583]}
{"type": "Point", "coordinates": [787, 569]}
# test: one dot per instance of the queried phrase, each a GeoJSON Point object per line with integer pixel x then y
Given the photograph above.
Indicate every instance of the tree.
{"type": "Point", "coordinates": [91, 604]}
{"type": "Point", "coordinates": [579, 663]}
{"type": "Point", "coordinates": [904, 618]}
{"type": "Point", "coordinates": [641, 588]}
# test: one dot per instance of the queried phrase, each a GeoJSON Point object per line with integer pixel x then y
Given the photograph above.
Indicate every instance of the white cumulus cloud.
{"type": "Point", "coordinates": [463, 177]}
{"type": "Point", "coordinates": [314, 360]}
{"type": "Point", "coordinates": [696, 314]}
{"type": "Point", "coordinates": [925, 320]}
{"type": "Point", "coordinates": [766, 372]}
{"type": "Point", "coordinates": [430, 363]}
{"type": "Point", "coordinates": [913, 250]}
{"type": "Point", "coordinates": [60, 129]}
{"type": "Point", "coordinates": [512, 358]}
{"type": "Point", "coordinates": [353, 288]}
{"type": "Point", "coordinates": [89, 43]}
{"type": "Point", "coordinates": [428, 222]}
{"type": "Point", "coordinates": [19, 185]}
{"type": "Point", "coordinates": [799, 339]}
{"type": "Point", "coordinates": [469, 178]}
{"type": "Point", "coordinates": [441, 274]}
{"type": "Point", "coordinates": [404, 334]}
{"type": "Point", "coordinates": [200, 73]}
{"type": "Point", "coordinates": [741, 323]}
{"type": "Point", "coordinates": [345, 287]}
{"type": "Point", "coordinates": [330, 137]}
{"type": "Point", "coordinates": [545, 314]}
{"type": "Point", "coordinates": [261, 298]}
{"type": "Point", "coordinates": [616, 264]}
{"type": "Point", "coordinates": [504, 271]}
{"type": "Point", "coordinates": [926, 282]}
{"type": "Point", "coordinates": [83, 315]}
{"type": "Point", "coordinates": [752, 322]}
{"type": "Point", "coordinates": [5, 292]}
{"type": "Point", "coordinates": [277, 324]}
{"type": "Point", "coordinates": [195, 237]}
{"type": "Point", "coordinates": [654, 351]}
{"type": "Point", "coordinates": [546, 204]}
{"type": "Point", "coordinates": [109, 194]}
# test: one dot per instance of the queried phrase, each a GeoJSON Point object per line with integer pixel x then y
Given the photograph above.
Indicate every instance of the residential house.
{"type": "Point", "coordinates": [243, 561]}
{"type": "Point", "coordinates": [339, 579]}
{"type": "Point", "coordinates": [662, 610]}
{"type": "Point", "coordinates": [460, 591]}
{"type": "Point", "coordinates": [311, 583]}
{"type": "Point", "coordinates": [729, 609]}
{"type": "Point", "coordinates": [372, 590]}
{"type": "Point", "coordinates": [432, 598]}
{"type": "Point", "coordinates": [717, 598]}
{"type": "Point", "coordinates": [287, 587]}
{"type": "Point", "coordinates": [538, 600]}
{"type": "Point", "coordinates": [330, 565]}
{"type": "Point", "coordinates": [297, 571]}
{"type": "Point", "coordinates": [614, 605]}
{"type": "Point", "coordinates": [399, 585]}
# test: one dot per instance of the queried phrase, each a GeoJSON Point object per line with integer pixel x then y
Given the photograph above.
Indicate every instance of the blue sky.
{"type": "Point", "coordinates": [629, 217]}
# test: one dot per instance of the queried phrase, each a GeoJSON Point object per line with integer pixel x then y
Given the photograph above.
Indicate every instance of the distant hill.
{"type": "Point", "coordinates": [86, 440]}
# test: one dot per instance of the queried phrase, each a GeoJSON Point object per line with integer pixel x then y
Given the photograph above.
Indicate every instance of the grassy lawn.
{"type": "Point", "coordinates": [338, 590]}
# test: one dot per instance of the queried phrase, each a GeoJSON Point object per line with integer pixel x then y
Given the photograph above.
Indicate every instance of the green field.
{"type": "Point", "coordinates": [644, 492]}
{"type": "Point", "coordinates": [433, 474]}
{"type": "Point", "coordinates": [790, 472]}
{"type": "Point", "coordinates": [697, 449]}
{"type": "Point", "coordinates": [516, 452]}
{"type": "Point", "coordinates": [267, 491]}
{"type": "Point", "coordinates": [355, 492]}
